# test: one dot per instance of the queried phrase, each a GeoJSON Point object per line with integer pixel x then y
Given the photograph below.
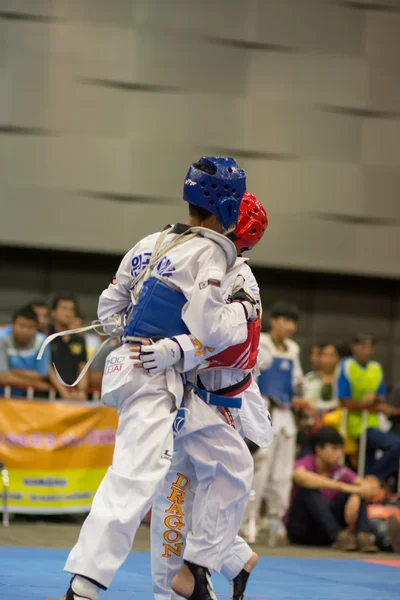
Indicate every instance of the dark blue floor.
{"type": "Point", "coordinates": [36, 574]}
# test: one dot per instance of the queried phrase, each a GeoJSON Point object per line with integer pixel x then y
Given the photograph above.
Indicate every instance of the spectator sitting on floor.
{"type": "Point", "coordinates": [19, 346]}
{"type": "Point", "coordinates": [68, 352]}
{"type": "Point", "coordinates": [328, 499]}
{"type": "Point", "coordinates": [43, 314]}
{"type": "Point", "coordinates": [361, 387]}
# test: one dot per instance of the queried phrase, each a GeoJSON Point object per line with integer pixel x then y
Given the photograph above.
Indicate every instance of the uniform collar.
{"type": "Point", "coordinates": [222, 240]}
{"type": "Point", "coordinates": [226, 244]}
{"type": "Point", "coordinates": [178, 228]}
{"type": "Point", "coordinates": [240, 260]}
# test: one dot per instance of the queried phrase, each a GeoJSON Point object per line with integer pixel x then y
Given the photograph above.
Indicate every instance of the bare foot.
{"type": "Point", "coordinates": [249, 566]}
{"type": "Point", "coordinates": [183, 582]}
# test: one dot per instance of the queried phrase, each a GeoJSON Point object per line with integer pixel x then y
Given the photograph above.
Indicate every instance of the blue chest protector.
{"type": "Point", "coordinates": [158, 312]}
{"type": "Point", "coordinates": [277, 380]}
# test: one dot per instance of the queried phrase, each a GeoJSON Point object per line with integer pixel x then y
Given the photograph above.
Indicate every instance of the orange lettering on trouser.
{"type": "Point", "coordinates": [172, 536]}
{"type": "Point", "coordinates": [174, 520]}
{"type": "Point", "coordinates": [181, 482]}
{"type": "Point", "coordinates": [175, 509]}
{"type": "Point", "coordinates": [177, 524]}
{"type": "Point", "coordinates": [171, 549]}
{"type": "Point", "coordinates": [176, 495]}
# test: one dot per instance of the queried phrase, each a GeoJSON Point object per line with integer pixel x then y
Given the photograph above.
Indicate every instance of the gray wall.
{"type": "Point", "coordinates": [103, 103]}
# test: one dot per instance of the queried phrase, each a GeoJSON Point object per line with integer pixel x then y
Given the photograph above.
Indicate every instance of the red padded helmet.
{"type": "Point", "coordinates": [252, 223]}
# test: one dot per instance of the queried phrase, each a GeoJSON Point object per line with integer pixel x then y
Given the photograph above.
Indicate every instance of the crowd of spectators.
{"type": "Point", "coordinates": [22, 375]}
{"type": "Point", "coordinates": [316, 499]}
{"type": "Point", "coordinates": [313, 494]}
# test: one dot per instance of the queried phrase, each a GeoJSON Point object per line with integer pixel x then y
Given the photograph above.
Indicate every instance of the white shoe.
{"type": "Point", "coordinates": [81, 589]}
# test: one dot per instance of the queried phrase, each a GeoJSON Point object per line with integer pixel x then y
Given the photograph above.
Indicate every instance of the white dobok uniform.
{"type": "Point", "coordinates": [280, 376]}
{"type": "Point", "coordinates": [147, 404]}
{"type": "Point", "coordinates": [190, 519]}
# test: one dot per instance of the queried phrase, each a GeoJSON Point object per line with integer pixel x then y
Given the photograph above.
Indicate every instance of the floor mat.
{"type": "Point", "coordinates": [37, 574]}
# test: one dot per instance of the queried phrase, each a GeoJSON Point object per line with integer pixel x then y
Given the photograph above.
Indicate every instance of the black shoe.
{"type": "Point", "coordinates": [238, 585]}
{"type": "Point", "coordinates": [203, 587]}
{"type": "Point", "coordinates": [70, 594]}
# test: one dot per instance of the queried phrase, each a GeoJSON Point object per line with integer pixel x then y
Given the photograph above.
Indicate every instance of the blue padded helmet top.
{"type": "Point", "coordinates": [216, 184]}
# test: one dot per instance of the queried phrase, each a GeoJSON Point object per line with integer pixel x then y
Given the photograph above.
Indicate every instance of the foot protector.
{"type": "Point", "coordinates": [81, 588]}
{"type": "Point", "coordinates": [238, 585]}
{"type": "Point", "coordinates": [203, 587]}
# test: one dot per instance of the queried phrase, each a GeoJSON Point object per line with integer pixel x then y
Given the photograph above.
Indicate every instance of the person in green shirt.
{"type": "Point", "coordinates": [361, 387]}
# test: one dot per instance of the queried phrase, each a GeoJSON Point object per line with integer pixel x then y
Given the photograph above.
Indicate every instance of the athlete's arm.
{"type": "Point", "coordinates": [206, 315]}
{"type": "Point", "coordinates": [116, 298]}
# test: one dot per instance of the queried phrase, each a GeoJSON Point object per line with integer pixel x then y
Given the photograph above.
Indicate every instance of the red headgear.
{"type": "Point", "coordinates": [252, 223]}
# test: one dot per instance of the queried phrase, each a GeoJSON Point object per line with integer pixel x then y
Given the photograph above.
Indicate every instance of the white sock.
{"type": "Point", "coordinates": [84, 588]}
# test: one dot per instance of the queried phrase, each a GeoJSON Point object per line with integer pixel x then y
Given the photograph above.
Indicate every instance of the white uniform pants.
{"type": "Point", "coordinates": [273, 471]}
{"type": "Point", "coordinates": [199, 508]}
{"type": "Point", "coordinates": [142, 457]}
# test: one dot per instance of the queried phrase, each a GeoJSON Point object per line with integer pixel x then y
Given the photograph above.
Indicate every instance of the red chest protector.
{"type": "Point", "coordinates": [242, 356]}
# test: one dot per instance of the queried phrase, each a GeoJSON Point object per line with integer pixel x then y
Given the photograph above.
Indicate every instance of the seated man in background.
{"type": "Point", "coordinates": [92, 342]}
{"type": "Point", "coordinates": [361, 387]}
{"type": "Point", "coordinates": [328, 500]}
{"type": "Point", "coordinates": [68, 353]}
{"type": "Point", "coordinates": [92, 339]}
{"type": "Point", "coordinates": [43, 314]}
{"type": "Point", "coordinates": [19, 347]}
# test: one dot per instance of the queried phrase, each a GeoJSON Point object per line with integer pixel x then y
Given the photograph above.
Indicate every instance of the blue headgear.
{"type": "Point", "coordinates": [216, 184]}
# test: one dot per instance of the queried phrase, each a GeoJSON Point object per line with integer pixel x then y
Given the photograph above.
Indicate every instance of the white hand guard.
{"type": "Point", "coordinates": [250, 302]}
{"type": "Point", "coordinates": [160, 356]}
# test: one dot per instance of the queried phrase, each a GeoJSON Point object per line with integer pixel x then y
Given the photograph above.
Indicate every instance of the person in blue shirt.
{"type": "Point", "coordinates": [19, 346]}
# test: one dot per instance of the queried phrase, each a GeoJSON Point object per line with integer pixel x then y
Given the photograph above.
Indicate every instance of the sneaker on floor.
{"type": "Point", "coordinates": [345, 541]}
{"type": "Point", "coordinates": [394, 533]}
{"type": "Point", "coordinates": [366, 542]}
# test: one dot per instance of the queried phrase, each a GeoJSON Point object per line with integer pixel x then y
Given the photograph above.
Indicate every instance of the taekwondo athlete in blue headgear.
{"type": "Point", "coordinates": [169, 282]}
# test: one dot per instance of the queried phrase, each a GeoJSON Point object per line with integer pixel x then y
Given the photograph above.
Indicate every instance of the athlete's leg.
{"type": "Point", "coordinates": [170, 522]}
{"type": "Point", "coordinates": [142, 457]}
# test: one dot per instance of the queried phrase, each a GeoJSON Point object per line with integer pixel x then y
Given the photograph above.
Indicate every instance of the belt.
{"type": "Point", "coordinates": [224, 397]}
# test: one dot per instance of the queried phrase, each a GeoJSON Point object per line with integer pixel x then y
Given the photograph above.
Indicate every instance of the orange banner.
{"type": "Point", "coordinates": [56, 453]}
